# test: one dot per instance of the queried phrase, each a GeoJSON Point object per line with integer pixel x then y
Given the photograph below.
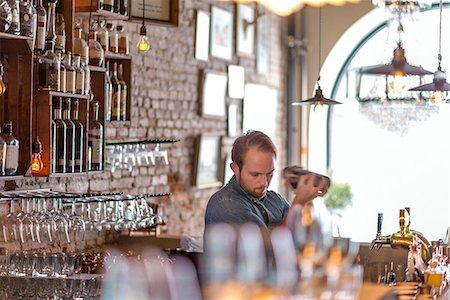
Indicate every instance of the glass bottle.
{"type": "Point", "coordinates": [95, 140]}
{"type": "Point", "coordinates": [113, 38]}
{"type": "Point", "coordinates": [124, 7]}
{"type": "Point", "coordinates": [108, 93]}
{"type": "Point", "coordinates": [116, 94]}
{"type": "Point", "coordinates": [62, 72]}
{"type": "Point", "coordinates": [79, 75]}
{"type": "Point", "coordinates": [49, 69]}
{"type": "Point", "coordinates": [100, 4]}
{"type": "Point", "coordinates": [59, 157]}
{"type": "Point", "coordinates": [96, 52]}
{"type": "Point", "coordinates": [5, 16]}
{"type": "Point", "coordinates": [79, 136]}
{"type": "Point", "coordinates": [41, 29]}
{"type": "Point", "coordinates": [108, 5]}
{"type": "Point", "coordinates": [80, 46]}
{"type": "Point", "coordinates": [87, 80]}
{"type": "Point", "coordinates": [116, 8]}
{"type": "Point", "coordinates": [27, 18]}
{"type": "Point", "coordinates": [70, 137]}
{"type": "Point", "coordinates": [51, 26]}
{"type": "Point", "coordinates": [12, 150]}
{"type": "Point", "coordinates": [15, 20]}
{"type": "Point", "coordinates": [123, 93]}
{"type": "Point", "coordinates": [2, 156]}
{"type": "Point", "coordinates": [102, 35]}
{"type": "Point", "coordinates": [123, 41]}
{"type": "Point", "coordinates": [70, 73]}
{"type": "Point", "coordinates": [60, 43]}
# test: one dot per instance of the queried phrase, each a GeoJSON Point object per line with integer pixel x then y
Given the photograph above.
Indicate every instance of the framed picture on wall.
{"type": "Point", "coordinates": [245, 30]}
{"type": "Point", "coordinates": [236, 81]}
{"type": "Point", "coordinates": [163, 12]}
{"type": "Point", "coordinates": [232, 123]}
{"type": "Point", "coordinates": [213, 94]}
{"type": "Point", "coordinates": [202, 35]}
{"type": "Point", "coordinates": [207, 162]}
{"type": "Point", "coordinates": [221, 33]}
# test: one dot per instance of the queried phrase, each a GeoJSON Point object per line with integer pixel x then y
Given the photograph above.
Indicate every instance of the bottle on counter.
{"type": "Point", "coordinates": [80, 46]}
{"type": "Point", "coordinates": [12, 150]}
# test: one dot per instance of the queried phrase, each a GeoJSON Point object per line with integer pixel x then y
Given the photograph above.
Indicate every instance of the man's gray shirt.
{"type": "Point", "coordinates": [233, 205]}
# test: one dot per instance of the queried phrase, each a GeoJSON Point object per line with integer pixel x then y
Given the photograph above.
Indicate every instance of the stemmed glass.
{"type": "Point", "coordinates": [160, 154]}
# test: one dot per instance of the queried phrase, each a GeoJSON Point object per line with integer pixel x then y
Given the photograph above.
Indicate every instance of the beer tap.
{"type": "Point", "coordinates": [404, 238]}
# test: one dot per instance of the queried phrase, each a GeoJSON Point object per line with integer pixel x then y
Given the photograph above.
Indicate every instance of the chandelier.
{"type": "Point", "coordinates": [286, 7]}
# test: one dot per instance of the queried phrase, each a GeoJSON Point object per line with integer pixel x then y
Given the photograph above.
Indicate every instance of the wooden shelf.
{"type": "Point", "coordinates": [97, 69]}
{"type": "Point", "coordinates": [8, 36]}
{"type": "Point", "coordinates": [63, 175]}
{"type": "Point", "coordinates": [117, 56]}
{"type": "Point", "coordinates": [148, 141]}
{"type": "Point", "coordinates": [65, 95]}
{"type": "Point", "coordinates": [100, 13]}
{"type": "Point", "coordinates": [14, 177]}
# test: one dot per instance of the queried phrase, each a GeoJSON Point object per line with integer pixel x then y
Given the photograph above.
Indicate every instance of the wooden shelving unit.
{"type": "Point", "coordinates": [16, 104]}
{"type": "Point", "coordinates": [43, 126]}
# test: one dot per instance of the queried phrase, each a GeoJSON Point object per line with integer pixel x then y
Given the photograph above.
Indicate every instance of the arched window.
{"type": "Point", "coordinates": [392, 157]}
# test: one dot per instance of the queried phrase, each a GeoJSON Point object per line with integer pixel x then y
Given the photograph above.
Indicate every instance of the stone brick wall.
{"type": "Point", "coordinates": [165, 101]}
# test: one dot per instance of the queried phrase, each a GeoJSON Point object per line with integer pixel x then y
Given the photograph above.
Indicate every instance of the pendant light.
{"type": "Point", "coordinates": [399, 67]}
{"type": "Point", "coordinates": [439, 87]}
{"type": "Point", "coordinates": [318, 99]}
{"type": "Point", "coordinates": [284, 8]}
{"type": "Point", "coordinates": [143, 44]}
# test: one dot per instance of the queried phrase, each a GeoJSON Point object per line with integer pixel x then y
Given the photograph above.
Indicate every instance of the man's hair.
{"type": "Point", "coordinates": [257, 139]}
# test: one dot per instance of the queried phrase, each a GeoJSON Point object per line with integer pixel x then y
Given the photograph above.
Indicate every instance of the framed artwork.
{"type": "Point", "coordinates": [214, 92]}
{"type": "Point", "coordinates": [262, 47]}
{"type": "Point", "coordinates": [236, 81]}
{"type": "Point", "coordinates": [207, 162]}
{"type": "Point", "coordinates": [202, 35]}
{"type": "Point", "coordinates": [245, 30]}
{"type": "Point", "coordinates": [221, 33]}
{"type": "Point", "coordinates": [163, 12]}
{"type": "Point", "coordinates": [232, 123]}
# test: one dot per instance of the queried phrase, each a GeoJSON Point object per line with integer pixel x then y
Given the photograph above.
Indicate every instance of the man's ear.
{"type": "Point", "coordinates": [234, 166]}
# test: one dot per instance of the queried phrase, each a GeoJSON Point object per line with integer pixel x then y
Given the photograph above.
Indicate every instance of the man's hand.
{"type": "Point", "coordinates": [308, 188]}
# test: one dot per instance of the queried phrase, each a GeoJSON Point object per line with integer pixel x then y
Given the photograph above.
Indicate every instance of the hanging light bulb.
{"type": "Point", "coordinates": [398, 82]}
{"type": "Point", "coordinates": [437, 97]}
{"type": "Point", "coordinates": [143, 44]}
{"type": "Point", "coordinates": [36, 160]}
{"type": "Point", "coordinates": [2, 84]}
